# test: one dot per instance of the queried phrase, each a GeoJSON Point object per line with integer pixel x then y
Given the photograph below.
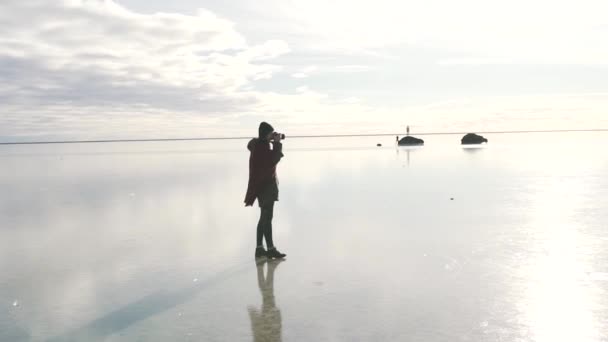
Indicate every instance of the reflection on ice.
{"type": "Point", "coordinates": [143, 308]}
{"type": "Point", "coordinates": [266, 321]}
{"type": "Point", "coordinates": [151, 242]}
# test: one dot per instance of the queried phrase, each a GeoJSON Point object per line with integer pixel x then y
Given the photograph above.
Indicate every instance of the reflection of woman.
{"type": "Point", "coordinates": [266, 323]}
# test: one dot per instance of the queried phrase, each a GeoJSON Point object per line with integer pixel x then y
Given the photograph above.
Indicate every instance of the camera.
{"type": "Point", "coordinates": [280, 135]}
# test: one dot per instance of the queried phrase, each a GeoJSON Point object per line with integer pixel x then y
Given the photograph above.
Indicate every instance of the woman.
{"type": "Point", "coordinates": [263, 185]}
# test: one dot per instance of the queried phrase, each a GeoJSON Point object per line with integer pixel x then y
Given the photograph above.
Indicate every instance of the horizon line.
{"type": "Point", "coordinates": [293, 137]}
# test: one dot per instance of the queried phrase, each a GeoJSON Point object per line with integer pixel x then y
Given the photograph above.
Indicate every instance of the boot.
{"type": "Point", "coordinates": [273, 253]}
{"type": "Point", "coordinates": [260, 252]}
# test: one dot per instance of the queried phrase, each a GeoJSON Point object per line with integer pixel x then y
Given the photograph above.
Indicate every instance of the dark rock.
{"type": "Point", "coordinates": [472, 138]}
{"type": "Point", "coordinates": [410, 141]}
{"type": "Point", "coordinates": [378, 145]}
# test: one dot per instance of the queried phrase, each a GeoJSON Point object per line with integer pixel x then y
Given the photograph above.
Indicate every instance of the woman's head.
{"type": "Point", "coordinates": [265, 131]}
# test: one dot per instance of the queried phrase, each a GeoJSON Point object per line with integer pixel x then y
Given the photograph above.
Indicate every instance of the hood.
{"type": "Point", "coordinates": [252, 143]}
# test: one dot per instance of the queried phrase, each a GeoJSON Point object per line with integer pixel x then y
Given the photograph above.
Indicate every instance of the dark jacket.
{"type": "Point", "coordinates": [262, 167]}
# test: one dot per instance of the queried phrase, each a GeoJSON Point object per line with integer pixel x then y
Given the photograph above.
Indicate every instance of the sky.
{"type": "Point", "coordinates": [103, 69]}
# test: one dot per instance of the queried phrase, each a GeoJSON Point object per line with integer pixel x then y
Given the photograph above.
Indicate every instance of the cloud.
{"type": "Point", "coordinates": [305, 72]}
{"type": "Point", "coordinates": [95, 69]}
{"type": "Point", "coordinates": [102, 38]}
{"type": "Point", "coordinates": [82, 54]}
{"type": "Point", "coordinates": [300, 75]}
{"type": "Point", "coordinates": [542, 31]}
{"type": "Point", "coordinates": [347, 69]}
{"type": "Point", "coordinates": [353, 68]}
{"type": "Point", "coordinates": [475, 61]}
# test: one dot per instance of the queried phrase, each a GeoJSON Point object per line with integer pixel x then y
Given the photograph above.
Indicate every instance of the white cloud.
{"type": "Point", "coordinates": [305, 72]}
{"type": "Point", "coordinates": [300, 75]}
{"type": "Point", "coordinates": [541, 31]}
{"type": "Point", "coordinates": [475, 61]}
{"type": "Point", "coordinates": [79, 54]}
{"type": "Point", "coordinates": [353, 68]}
{"type": "Point", "coordinates": [102, 46]}
{"type": "Point", "coordinates": [94, 69]}
{"type": "Point", "coordinates": [346, 69]}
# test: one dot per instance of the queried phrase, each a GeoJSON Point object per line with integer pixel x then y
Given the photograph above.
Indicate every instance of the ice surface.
{"type": "Point", "coordinates": [151, 242]}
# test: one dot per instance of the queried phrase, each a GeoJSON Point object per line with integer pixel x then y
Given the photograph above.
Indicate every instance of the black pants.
{"type": "Point", "coordinates": [265, 224]}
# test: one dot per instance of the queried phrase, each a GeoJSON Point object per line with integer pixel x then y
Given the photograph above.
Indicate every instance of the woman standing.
{"type": "Point", "coordinates": [263, 185]}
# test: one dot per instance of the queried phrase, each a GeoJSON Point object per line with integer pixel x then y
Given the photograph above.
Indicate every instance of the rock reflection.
{"type": "Point", "coordinates": [407, 150]}
{"type": "Point", "coordinates": [473, 149]}
{"type": "Point", "coordinates": [266, 323]}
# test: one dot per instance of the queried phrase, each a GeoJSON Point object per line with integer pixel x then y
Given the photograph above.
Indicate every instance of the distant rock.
{"type": "Point", "coordinates": [379, 145]}
{"type": "Point", "coordinates": [472, 138]}
{"type": "Point", "coordinates": [410, 141]}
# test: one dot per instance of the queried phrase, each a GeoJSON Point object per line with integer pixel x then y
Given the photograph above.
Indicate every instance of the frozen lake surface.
{"type": "Point", "coordinates": [151, 242]}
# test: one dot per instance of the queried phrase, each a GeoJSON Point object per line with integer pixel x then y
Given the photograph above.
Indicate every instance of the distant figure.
{"type": "Point", "coordinates": [407, 130]}
{"type": "Point", "coordinates": [263, 185]}
{"type": "Point", "coordinates": [266, 323]}
{"type": "Point", "coordinates": [397, 139]}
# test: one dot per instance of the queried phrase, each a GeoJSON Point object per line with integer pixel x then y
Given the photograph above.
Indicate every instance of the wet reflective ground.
{"type": "Point", "coordinates": [151, 242]}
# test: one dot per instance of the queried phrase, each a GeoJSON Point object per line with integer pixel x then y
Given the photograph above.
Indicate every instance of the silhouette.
{"type": "Point", "coordinates": [266, 323]}
{"type": "Point", "coordinates": [410, 141]}
{"type": "Point", "coordinates": [263, 185]}
{"type": "Point", "coordinates": [472, 138]}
